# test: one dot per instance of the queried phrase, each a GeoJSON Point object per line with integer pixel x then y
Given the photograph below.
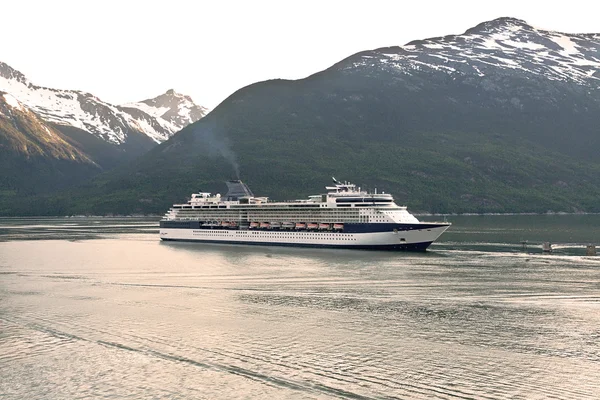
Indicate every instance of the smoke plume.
{"type": "Point", "coordinates": [215, 142]}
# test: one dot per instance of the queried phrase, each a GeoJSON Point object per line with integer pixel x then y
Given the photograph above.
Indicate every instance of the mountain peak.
{"type": "Point", "coordinates": [501, 24]}
{"type": "Point", "coordinates": [8, 72]}
{"type": "Point", "coordinates": [86, 112]}
{"type": "Point", "coordinates": [171, 93]}
{"type": "Point", "coordinates": [503, 45]}
{"type": "Point", "coordinates": [175, 108]}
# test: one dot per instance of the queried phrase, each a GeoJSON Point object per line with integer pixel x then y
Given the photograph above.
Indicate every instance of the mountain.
{"type": "Point", "coordinates": [35, 157]}
{"type": "Point", "coordinates": [132, 128]}
{"type": "Point", "coordinates": [26, 134]}
{"type": "Point", "coordinates": [52, 139]}
{"type": "Point", "coordinates": [175, 109]}
{"type": "Point", "coordinates": [502, 118]}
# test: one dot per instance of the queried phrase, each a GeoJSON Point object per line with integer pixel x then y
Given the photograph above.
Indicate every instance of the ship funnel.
{"type": "Point", "coordinates": [237, 189]}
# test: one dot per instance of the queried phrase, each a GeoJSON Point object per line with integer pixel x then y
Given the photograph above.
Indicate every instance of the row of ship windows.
{"type": "Point", "coordinates": [267, 216]}
{"type": "Point", "coordinates": [276, 215]}
{"type": "Point", "coordinates": [316, 210]}
{"type": "Point", "coordinates": [299, 219]}
{"type": "Point", "coordinates": [285, 208]}
{"type": "Point", "coordinates": [246, 208]}
{"type": "Point", "coordinates": [283, 237]}
{"type": "Point", "coordinates": [272, 234]}
{"type": "Point", "coordinates": [278, 234]}
{"type": "Point", "coordinates": [282, 213]}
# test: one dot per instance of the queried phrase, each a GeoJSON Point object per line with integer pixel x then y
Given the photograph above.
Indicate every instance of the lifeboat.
{"type": "Point", "coordinates": [300, 225]}
{"type": "Point", "coordinates": [287, 225]}
{"type": "Point", "coordinates": [312, 225]}
{"type": "Point", "coordinates": [253, 224]}
{"type": "Point", "coordinates": [275, 224]}
{"type": "Point", "coordinates": [264, 225]}
{"type": "Point", "coordinates": [338, 226]}
{"type": "Point", "coordinates": [225, 223]}
{"type": "Point", "coordinates": [323, 226]}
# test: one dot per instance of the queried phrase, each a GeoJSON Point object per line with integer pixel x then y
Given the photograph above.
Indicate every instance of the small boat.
{"type": "Point", "coordinates": [287, 225]}
{"type": "Point", "coordinates": [264, 225]}
{"type": "Point", "coordinates": [300, 225]}
{"type": "Point", "coordinates": [225, 223]}
{"type": "Point", "coordinates": [338, 226]}
{"type": "Point", "coordinates": [312, 225]}
{"type": "Point", "coordinates": [323, 226]}
{"type": "Point", "coordinates": [275, 224]}
{"type": "Point", "coordinates": [253, 224]}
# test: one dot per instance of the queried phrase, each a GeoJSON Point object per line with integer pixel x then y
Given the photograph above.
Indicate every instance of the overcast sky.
{"type": "Point", "coordinates": [130, 50]}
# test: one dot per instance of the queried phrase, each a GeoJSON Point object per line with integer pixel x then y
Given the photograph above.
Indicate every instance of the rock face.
{"type": "Point", "coordinates": [157, 119]}
{"type": "Point", "coordinates": [35, 156]}
{"type": "Point", "coordinates": [23, 132]}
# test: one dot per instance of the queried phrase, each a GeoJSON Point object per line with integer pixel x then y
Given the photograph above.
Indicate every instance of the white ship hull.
{"type": "Point", "coordinates": [414, 239]}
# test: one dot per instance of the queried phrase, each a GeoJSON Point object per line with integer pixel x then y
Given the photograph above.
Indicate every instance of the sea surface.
{"type": "Point", "coordinates": [99, 308]}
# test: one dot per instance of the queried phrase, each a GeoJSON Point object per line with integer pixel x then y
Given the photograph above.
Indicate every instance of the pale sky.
{"type": "Point", "coordinates": [129, 50]}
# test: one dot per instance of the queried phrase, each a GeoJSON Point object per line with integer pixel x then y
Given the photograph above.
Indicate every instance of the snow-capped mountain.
{"type": "Point", "coordinates": [109, 122]}
{"type": "Point", "coordinates": [22, 131]}
{"type": "Point", "coordinates": [504, 43]}
{"type": "Point", "coordinates": [177, 109]}
{"type": "Point", "coordinates": [35, 157]}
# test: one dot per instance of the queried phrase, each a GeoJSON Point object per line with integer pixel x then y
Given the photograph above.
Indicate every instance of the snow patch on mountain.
{"type": "Point", "coordinates": [48, 131]}
{"type": "Point", "coordinates": [150, 110]}
{"type": "Point", "coordinates": [569, 47]}
{"type": "Point", "coordinates": [505, 43]}
{"type": "Point", "coordinates": [11, 101]}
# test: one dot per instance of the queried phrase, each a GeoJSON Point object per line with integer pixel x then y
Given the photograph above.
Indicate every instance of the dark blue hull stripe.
{"type": "Point", "coordinates": [385, 227]}
{"type": "Point", "coordinates": [396, 247]}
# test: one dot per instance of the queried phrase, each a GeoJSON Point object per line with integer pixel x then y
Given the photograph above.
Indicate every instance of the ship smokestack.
{"type": "Point", "coordinates": [237, 189]}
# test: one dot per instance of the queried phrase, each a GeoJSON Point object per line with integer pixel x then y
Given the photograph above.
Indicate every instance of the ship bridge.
{"type": "Point", "coordinates": [372, 207]}
{"type": "Point", "coordinates": [348, 193]}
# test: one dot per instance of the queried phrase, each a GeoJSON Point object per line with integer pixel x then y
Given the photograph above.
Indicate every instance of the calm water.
{"type": "Point", "coordinates": [99, 308]}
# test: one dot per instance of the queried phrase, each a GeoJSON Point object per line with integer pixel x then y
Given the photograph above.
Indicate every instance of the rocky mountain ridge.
{"type": "Point", "coordinates": [158, 119]}
{"type": "Point", "coordinates": [27, 134]}
{"type": "Point", "coordinates": [176, 109]}
{"type": "Point", "coordinates": [504, 43]}
{"type": "Point", "coordinates": [35, 157]}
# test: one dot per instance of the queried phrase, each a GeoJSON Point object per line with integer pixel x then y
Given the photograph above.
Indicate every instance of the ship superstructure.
{"type": "Point", "coordinates": [344, 217]}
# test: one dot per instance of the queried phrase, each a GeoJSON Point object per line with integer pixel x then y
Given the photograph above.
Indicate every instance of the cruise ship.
{"type": "Point", "coordinates": [345, 217]}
